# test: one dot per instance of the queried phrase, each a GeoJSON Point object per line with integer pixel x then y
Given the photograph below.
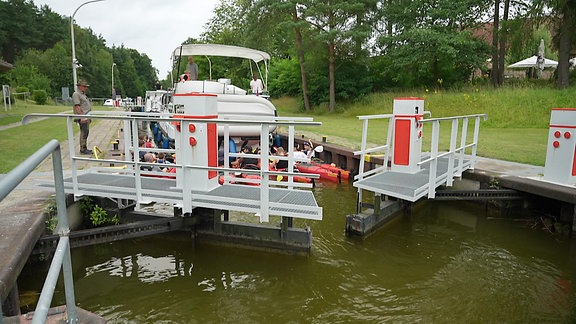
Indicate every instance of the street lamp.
{"type": "Point", "coordinates": [74, 60]}
{"type": "Point", "coordinates": [113, 92]}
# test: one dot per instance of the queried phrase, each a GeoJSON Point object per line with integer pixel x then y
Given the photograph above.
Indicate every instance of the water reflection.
{"type": "Point", "coordinates": [445, 263]}
{"type": "Point", "coordinates": [145, 268]}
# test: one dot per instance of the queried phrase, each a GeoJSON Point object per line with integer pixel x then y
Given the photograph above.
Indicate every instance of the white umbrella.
{"type": "Point", "coordinates": [533, 62]}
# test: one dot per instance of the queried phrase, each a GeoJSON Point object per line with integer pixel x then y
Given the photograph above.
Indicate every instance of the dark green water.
{"type": "Point", "coordinates": [446, 263]}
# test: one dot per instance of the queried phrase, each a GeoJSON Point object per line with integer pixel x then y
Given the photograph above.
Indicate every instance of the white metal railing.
{"type": "Point", "coordinates": [61, 259]}
{"type": "Point", "coordinates": [381, 148]}
{"type": "Point", "coordinates": [133, 165]}
{"type": "Point", "coordinates": [455, 150]}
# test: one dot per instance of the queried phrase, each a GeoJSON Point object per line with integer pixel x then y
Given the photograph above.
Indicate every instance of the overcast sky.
{"type": "Point", "coordinates": [152, 27]}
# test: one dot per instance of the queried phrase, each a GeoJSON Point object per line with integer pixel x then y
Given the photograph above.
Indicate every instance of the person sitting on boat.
{"type": "Point", "coordinates": [242, 162]}
{"type": "Point", "coordinates": [250, 162]}
{"type": "Point", "coordinates": [299, 154]}
{"type": "Point", "coordinates": [256, 85]}
{"type": "Point", "coordinates": [150, 158]}
{"type": "Point", "coordinates": [146, 139]}
{"type": "Point", "coordinates": [309, 149]}
{"type": "Point", "coordinates": [142, 152]}
{"type": "Point", "coordinates": [161, 158]}
{"type": "Point", "coordinates": [279, 164]}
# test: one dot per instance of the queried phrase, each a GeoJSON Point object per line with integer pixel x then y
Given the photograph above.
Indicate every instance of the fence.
{"type": "Point", "coordinates": [61, 258]}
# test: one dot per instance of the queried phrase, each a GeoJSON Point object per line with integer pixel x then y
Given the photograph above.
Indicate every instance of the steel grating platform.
{"type": "Point", "coordinates": [408, 186]}
{"type": "Point", "coordinates": [281, 202]}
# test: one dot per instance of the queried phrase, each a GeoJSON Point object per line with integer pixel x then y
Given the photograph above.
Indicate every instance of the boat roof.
{"type": "Point", "coordinates": [220, 50]}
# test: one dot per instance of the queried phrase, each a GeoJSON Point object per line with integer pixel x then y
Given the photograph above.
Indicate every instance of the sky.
{"type": "Point", "coordinates": [152, 27]}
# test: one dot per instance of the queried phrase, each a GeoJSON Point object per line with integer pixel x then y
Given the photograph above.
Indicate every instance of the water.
{"type": "Point", "coordinates": [446, 263]}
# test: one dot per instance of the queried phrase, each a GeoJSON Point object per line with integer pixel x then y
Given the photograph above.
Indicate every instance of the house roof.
{"type": "Point", "coordinates": [5, 66]}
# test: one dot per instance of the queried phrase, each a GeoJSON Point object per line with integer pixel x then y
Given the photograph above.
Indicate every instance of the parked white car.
{"type": "Point", "coordinates": [110, 103]}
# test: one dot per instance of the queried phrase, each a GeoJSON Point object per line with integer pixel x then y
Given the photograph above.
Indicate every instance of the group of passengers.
{"type": "Point", "coordinates": [252, 161]}
{"type": "Point", "coordinates": [146, 156]}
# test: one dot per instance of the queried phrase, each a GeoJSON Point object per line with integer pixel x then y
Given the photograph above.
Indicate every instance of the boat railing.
{"type": "Point", "coordinates": [61, 259]}
{"type": "Point", "coordinates": [208, 86]}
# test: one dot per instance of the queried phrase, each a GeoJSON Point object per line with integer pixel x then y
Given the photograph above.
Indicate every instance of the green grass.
{"type": "Point", "coordinates": [516, 129]}
{"type": "Point", "coordinates": [21, 108]}
{"type": "Point", "coordinates": [18, 143]}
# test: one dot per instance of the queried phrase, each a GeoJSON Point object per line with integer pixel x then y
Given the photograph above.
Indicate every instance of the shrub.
{"type": "Point", "coordinates": [96, 214]}
{"type": "Point", "coordinates": [40, 96]}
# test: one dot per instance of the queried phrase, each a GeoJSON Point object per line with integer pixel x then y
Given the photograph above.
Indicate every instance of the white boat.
{"type": "Point", "coordinates": [233, 101]}
{"type": "Point", "coordinates": [155, 100]}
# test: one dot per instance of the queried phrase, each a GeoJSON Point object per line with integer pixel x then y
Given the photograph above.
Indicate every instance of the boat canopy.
{"type": "Point", "coordinates": [220, 50]}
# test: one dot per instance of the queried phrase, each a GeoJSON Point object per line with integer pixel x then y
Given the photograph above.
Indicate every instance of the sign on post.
{"type": "Point", "coordinates": [6, 97]}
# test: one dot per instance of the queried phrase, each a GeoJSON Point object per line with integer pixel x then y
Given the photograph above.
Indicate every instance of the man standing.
{"type": "Point", "coordinates": [82, 107]}
{"type": "Point", "coordinates": [192, 68]}
{"type": "Point", "coordinates": [256, 85]}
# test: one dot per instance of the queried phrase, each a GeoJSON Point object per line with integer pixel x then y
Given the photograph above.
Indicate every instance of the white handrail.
{"type": "Point", "coordinates": [131, 120]}
{"type": "Point", "coordinates": [454, 151]}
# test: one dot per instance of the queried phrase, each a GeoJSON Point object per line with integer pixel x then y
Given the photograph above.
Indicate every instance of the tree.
{"type": "Point", "coordinates": [432, 43]}
{"type": "Point", "coordinates": [565, 39]}
{"type": "Point", "coordinates": [495, 73]}
{"type": "Point", "coordinates": [286, 15]}
{"type": "Point", "coordinates": [23, 26]}
{"type": "Point", "coordinates": [53, 63]}
{"type": "Point", "coordinates": [338, 23]}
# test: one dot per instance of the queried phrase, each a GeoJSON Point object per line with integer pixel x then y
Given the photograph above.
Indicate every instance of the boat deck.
{"type": "Point", "coordinates": [409, 186]}
{"type": "Point", "coordinates": [281, 201]}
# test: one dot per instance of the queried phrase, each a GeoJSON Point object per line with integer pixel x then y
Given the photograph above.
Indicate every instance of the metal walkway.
{"type": "Point", "coordinates": [428, 170]}
{"type": "Point", "coordinates": [282, 202]}
{"type": "Point", "coordinates": [408, 186]}
{"type": "Point", "coordinates": [264, 197]}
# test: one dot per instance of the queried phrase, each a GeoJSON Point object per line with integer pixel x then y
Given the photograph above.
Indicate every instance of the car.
{"type": "Point", "coordinates": [111, 103]}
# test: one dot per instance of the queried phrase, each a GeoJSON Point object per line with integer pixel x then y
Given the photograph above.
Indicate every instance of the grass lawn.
{"type": "Point", "coordinates": [18, 143]}
{"type": "Point", "coordinates": [21, 108]}
{"type": "Point", "coordinates": [516, 129]}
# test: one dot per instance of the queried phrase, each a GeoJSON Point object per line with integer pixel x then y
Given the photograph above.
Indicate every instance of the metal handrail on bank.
{"type": "Point", "coordinates": [61, 258]}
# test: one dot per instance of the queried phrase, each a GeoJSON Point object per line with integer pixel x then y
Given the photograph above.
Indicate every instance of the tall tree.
{"type": "Point", "coordinates": [278, 17]}
{"type": "Point", "coordinates": [503, 35]}
{"type": "Point", "coordinates": [338, 23]}
{"type": "Point", "coordinates": [565, 39]}
{"type": "Point", "coordinates": [561, 16]}
{"type": "Point", "coordinates": [300, 53]}
{"type": "Point", "coordinates": [18, 30]}
{"type": "Point", "coordinates": [495, 73]}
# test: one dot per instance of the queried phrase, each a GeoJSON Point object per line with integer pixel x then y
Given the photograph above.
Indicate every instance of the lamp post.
{"type": "Point", "coordinates": [113, 92]}
{"type": "Point", "coordinates": [74, 60]}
